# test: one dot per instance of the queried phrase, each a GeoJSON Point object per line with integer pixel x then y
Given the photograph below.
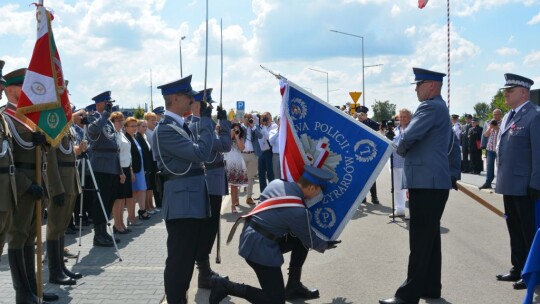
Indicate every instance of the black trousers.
{"type": "Point", "coordinates": [270, 278]}
{"type": "Point", "coordinates": [182, 244]}
{"type": "Point", "coordinates": [424, 271]}
{"type": "Point", "coordinates": [266, 170]}
{"type": "Point", "coordinates": [520, 221]}
{"type": "Point", "coordinates": [210, 229]}
{"type": "Point", "coordinates": [107, 188]}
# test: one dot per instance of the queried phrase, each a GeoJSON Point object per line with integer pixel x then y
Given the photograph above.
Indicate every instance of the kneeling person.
{"type": "Point", "coordinates": [279, 224]}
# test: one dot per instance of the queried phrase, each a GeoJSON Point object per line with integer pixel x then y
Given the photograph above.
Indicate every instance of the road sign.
{"type": "Point", "coordinates": [240, 108]}
{"type": "Point", "coordinates": [355, 96]}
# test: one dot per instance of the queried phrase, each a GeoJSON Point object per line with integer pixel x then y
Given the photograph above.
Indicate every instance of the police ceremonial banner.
{"type": "Point", "coordinates": [314, 132]}
{"type": "Point", "coordinates": [44, 98]}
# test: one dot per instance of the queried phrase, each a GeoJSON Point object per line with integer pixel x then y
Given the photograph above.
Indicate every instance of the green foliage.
{"type": "Point", "coordinates": [497, 102]}
{"type": "Point", "coordinates": [482, 110]}
{"type": "Point", "coordinates": [139, 112]}
{"type": "Point", "coordinates": [383, 110]}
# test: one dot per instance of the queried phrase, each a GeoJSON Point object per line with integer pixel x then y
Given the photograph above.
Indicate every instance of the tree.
{"type": "Point", "coordinates": [482, 110]}
{"type": "Point", "coordinates": [139, 112]}
{"type": "Point", "coordinates": [497, 102]}
{"type": "Point", "coordinates": [383, 110]}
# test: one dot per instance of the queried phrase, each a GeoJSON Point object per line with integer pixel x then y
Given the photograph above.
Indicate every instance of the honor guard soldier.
{"type": "Point", "coordinates": [59, 212]}
{"type": "Point", "coordinates": [456, 126]}
{"type": "Point", "coordinates": [22, 234]}
{"type": "Point", "coordinates": [362, 116]}
{"type": "Point", "coordinates": [217, 185]}
{"type": "Point", "coordinates": [8, 188]}
{"type": "Point", "coordinates": [186, 204]}
{"type": "Point", "coordinates": [278, 224]}
{"type": "Point", "coordinates": [518, 175]}
{"type": "Point", "coordinates": [105, 163]}
{"type": "Point", "coordinates": [159, 111]}
{"type": "Point", "coordinates": [431, 168]}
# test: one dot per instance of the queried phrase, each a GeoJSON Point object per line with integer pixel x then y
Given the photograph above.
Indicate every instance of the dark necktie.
{"type": "Point", "coordinates": [512, 113]}
{"type": "Point", "coordinates": [188, 131]}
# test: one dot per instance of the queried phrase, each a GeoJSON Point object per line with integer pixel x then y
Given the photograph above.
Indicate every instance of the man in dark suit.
{"type": "Point", "coordinates": [429, 147]}
{"type": "Point", "coordinates": [186, 204]}
{"type": "Point", "coordinates": [475, 149]}
{"type": "Point", "coordinates": [518, 164]}
{"type": "Point", "coordinates": [465, 163]}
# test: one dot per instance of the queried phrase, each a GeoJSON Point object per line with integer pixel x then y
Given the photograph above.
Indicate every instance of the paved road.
{"type": "Point", "coordinates": [370, 263]}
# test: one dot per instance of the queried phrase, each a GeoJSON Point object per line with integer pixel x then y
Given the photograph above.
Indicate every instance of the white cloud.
{"type": "Point", "coordinates": [500, 67]}
{"type": "Point", "coordinates": [534, 20]}
{"type": "Point", "coordinates": [532, 59]}
{"type": "Point", "coordinates": [507, 51]}
{"type": "Point", "coordinates": [410, 31]}
{"type": "Point", "coordinates": [395, 10]}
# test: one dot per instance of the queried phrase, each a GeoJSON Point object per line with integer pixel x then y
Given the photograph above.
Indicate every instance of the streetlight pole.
{"type": "Point", "coordinates": [181, 38]}
{"type": "Point", "coordinates": [327, 92]}
{"type": "Point", "coordinates": [363, 67]}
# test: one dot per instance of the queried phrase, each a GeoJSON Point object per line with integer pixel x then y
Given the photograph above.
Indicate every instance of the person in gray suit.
{"type": "Point", "coordinates": [252, 151]}
{"type": "Point", "coordinates": [105, 162]}
{"type": "Point", "coordinates": [186, 206]}
{"type": "Point", "coordinates": [518, 179]}
{"type": "Point", "coordinates": [429, 148]}
{"type": "Point", "coordinates": [217, 185]}
{"type": "Point", "coordinates": [279, 224]}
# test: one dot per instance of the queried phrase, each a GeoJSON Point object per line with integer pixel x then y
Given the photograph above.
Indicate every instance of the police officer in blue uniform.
{"type": "Point", "coordinates": [362, 114]}
{"type": "Point", "coordinates": [216, 180]}
{"type": "Point", "coordinates": [105, 164]}
{"type": "Point", "coordinates": [518, 177]}
{"type": "Point", "coordinates": [431, 168]}
{"type": "Point", "coordinates": [186, 205]}
{"type": "Point", "coordinates": [279, 224]}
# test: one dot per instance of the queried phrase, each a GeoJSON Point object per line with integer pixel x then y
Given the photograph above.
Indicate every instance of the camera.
{"type": "Point", "coordinates": [85, 120]}
{"type": "Point", "coordinates": [494, 123]}
{"type": "Point", "coordinates": [265, 119]}
{"type": "Point", "coordinates": [236, 131]}
{"type": "Point", "coordinates": [250, 120]}
{"type": "Point", "coordinates": [108, 106]}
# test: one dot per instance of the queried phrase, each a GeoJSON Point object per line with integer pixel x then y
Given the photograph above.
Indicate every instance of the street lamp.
{"type": "Point", "coordinates": [363, 67]}
{"type": "Point", "coordinates": [327, 92]}
{"type": "Point", "coordinates": [333, 91]}
{"type": "Point", "coordinates": [181, 38]}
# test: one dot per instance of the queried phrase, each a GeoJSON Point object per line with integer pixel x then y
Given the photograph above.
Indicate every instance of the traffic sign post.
{"type": "Point", "coordinates": [355, 96]}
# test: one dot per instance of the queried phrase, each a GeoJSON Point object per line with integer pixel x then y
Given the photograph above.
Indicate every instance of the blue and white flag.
{"type": "Point", "coordinates": [314, 132]}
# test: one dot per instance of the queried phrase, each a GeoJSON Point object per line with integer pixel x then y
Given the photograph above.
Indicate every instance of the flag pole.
{"type": "Point", "coordinates": [206, 57]}
{"type": "Point", "coordinates": [39, 262]}
{"type": "Point", "coordinates": [221, 85]}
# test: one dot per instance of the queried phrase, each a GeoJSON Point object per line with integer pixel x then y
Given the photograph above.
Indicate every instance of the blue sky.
{"type": "Point", "coordinates": [113, 45]}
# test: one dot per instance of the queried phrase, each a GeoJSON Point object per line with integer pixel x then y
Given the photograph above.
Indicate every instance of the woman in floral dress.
{"type": "Point", "coordinates": [235, 166]}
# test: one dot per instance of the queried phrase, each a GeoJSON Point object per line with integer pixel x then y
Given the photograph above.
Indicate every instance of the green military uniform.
{"type": "Point", "coordinates": [8, 189]}
{"type": "Point", "coordinates": [22, 233]}
{"type": "Point", "coordinates": [60, 209]}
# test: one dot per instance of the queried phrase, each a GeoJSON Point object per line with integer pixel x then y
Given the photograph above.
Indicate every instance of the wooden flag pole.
{"type": "Point", "coordinates": [39, 274]}
{"type": "Point", "coordinates": [480, 200]}
{"type": "Point", "coordinates": [38, 228]}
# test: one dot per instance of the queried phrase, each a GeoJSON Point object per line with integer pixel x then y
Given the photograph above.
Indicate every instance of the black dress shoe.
{"type": "Point", "coordinates": [51, 297]}
{"type": "Point", "coordinates": [485, 186]}
{"type": "Point", "coordinates": [509, 277]}
{"type": "Point", "coordinates": [393, 300]}
{"type": "Point", "coordinates": [520, 285]}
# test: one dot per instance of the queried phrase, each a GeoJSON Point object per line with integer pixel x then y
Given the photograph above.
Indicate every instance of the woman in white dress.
{"type": "Point", "coordinates": [235, 166]}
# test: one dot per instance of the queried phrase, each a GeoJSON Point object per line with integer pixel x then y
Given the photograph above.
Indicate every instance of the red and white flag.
{"type": "Point", "coordinates": [44, 97]}
{"type": "Point", "coordinates": [422, 3]}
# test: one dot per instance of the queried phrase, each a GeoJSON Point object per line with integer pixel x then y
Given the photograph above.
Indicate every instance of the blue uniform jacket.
{"type": "Point", "coordinates": [257, 248]}
{"type": "Point", "coordinates": [518, 152]}
{"type": "Point", "coordinates": [216, 177]}
{"type": "Point", "coordinates": [104, 150]}
{"type": "Point", "coordinates": [424, 144]}
{"type": "Point", "coordinates": [185, 197]}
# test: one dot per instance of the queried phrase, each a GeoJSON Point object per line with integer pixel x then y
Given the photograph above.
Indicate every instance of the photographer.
{"type": "Point", "coordinates": [106, 165]}
{"type": "Point", "coordinates": [491, 133]}
{"type": "Point", "coordinates": [252, 151]}
{"type": "Point", "coordinates": [266, 172]}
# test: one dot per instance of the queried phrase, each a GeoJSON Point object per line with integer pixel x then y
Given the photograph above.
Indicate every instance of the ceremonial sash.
{"type": "Point", "coordinates": [271, 203]}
